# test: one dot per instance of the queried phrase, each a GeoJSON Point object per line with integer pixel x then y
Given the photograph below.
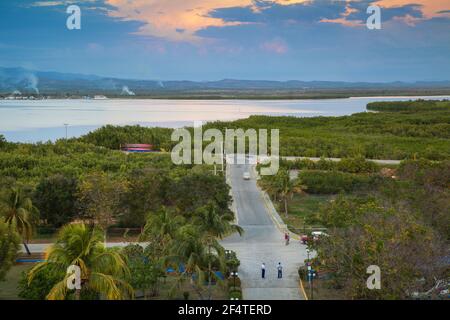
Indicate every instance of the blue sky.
{"type": "Point", "coordinates": [241, 39]}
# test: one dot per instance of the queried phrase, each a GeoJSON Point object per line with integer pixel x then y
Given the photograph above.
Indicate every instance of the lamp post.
{"type": "Point", "coordinates": [234, 275]}
{"type": "Point", "coordinates": [311, 276]}
{"type": "Point", "coordinates": [304, 225]}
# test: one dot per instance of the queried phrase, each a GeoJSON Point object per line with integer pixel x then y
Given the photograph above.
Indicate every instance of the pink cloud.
{"type": "Point", "coordinates": [277, 46]}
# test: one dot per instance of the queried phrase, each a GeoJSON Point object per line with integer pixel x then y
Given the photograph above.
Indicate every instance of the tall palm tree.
{"type": "Point", "coordinates": [160, 230]}
{"type": "Point", "coordinates": [213, 225]}
{"type": "Point", "coordinates": [161, 224]}
{"type": "Point", "coordinates": [286, 187]}
{"type": "Point", "coordinates": [19, 211]}
{"type": "Point", "coordinates": [102, 269]}
{"type": "Point", "coordinates": [199, 254]}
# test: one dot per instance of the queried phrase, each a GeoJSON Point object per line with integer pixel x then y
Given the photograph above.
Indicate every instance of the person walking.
{"type": "Point", "coordinates": [280, 270]}
{"type": "Point", "coordinates": [263, 270]}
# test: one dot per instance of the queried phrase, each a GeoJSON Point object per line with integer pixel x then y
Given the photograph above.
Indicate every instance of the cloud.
{"type": "Point", "coordinates": [429, 8]}
{"type": "Point", "coordinates": [165, 19]}
{"type": "Point", "coordinates": [409, 12]}
{"type": "Point", "coordinates": [60, 3]}
{"type": "Point", "coordinates": [182, 20]}
{"type": "Point", "coordinates": [277, 46]}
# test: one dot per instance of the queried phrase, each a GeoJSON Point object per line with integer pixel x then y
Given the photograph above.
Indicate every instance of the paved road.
{"type": "Point", "coordinates": [315, 159]}
{"type": "Point", "coordinates": [262, 242]}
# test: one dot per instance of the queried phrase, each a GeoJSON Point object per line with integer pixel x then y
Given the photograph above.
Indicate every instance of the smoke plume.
{"type": "Point", "coordinates": [127, 91]}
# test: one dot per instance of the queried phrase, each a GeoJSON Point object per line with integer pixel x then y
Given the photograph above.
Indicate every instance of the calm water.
{"type": "Point", "coordinates": [31, 121]}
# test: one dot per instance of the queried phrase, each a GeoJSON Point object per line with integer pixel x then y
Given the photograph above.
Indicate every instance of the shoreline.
{"type": "Point", "coordinates": [162, 113]}
{"type": "Point", "coordinates": [232, 97]}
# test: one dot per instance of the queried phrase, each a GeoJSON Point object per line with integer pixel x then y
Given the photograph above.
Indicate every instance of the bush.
{"type": "Point", "coordinates": [236, 295]}
{"type": "Point", "coordinates": [9, 246]}
{"type": "Point", "coordinates": [55, 197]}
{"type": "Point", "coordinates": [234, 282]}
{"type": "Point", "coordinates": [332, 182]}
{"type": "Point", "coordinates": [232, 262]}
{"type": "Point", "coordinates": [41, 285]}
{"type": "Point", "coordinates": [302, 272]}
{"type": "Point", "coordinates": [357, 165]}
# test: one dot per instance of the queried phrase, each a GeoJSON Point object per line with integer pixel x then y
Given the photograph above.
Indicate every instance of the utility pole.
{"type": "Point", "coordinates": [66, 125]}
{"type": "Point", "coordinates": [224, 154]}
{"type": "Point", "coordinates": [223, 151]}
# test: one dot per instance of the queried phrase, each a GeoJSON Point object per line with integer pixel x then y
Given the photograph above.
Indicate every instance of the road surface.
{"type": "Point", "coordinates": [378, 161]}
{"type": "Point", "coordinates": [262, 242]}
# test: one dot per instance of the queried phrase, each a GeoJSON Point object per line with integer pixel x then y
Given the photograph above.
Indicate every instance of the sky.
{"type": "Point", "coordinates": [231, 39]}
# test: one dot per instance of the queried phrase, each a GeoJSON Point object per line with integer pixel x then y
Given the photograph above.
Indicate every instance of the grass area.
{"type": "Point", "coordinates": [9, 290]}
{"type": "Point", "coordinates": [111, 237]}
{"type": "Point", "coordinates": [302, 211]}
{"type": "Point", "coordinates": [166, 285]}
{"type": "Point", "coordinates": [322, 290]}
{"type": "Point", "coordinates": [8, 287]}
{"type": "Point", "coordinates": [43, 238]}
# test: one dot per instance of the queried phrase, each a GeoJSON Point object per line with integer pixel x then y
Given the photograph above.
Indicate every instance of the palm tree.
{"type": "Point", "coordinates": [286, 187]}
{"type": "Point", "coordinates": [198, 253]}
{"type": "Point", "coordinates": [19, 212]}
{"type": "Point", "coordinates": [213, 225]}
{"type": "Point", "coordinates": [160, 229]}
{"type": "Point", "coordinates": [160, 224]}
{"type": "Point", "coordinates": [102, 269]}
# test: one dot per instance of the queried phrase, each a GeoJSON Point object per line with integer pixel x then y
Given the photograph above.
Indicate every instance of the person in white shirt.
{"type": "Point", "coordinates": [263, 270]}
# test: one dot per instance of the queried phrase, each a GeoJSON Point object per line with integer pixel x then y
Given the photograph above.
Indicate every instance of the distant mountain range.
{"type": "Point", "coordinates": [20, 80]}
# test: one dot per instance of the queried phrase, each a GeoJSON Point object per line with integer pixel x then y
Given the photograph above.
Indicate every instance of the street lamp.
{"type": "Point", "coordinates": [311, 276]}
{"type": "Point", "coordinates": [234, 275]}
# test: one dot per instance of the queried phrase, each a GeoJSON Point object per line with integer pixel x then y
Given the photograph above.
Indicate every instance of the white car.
{"type": "Point", "coordinates": [246, 176]}
{"type": "Point", "coordinates": [317, 234]}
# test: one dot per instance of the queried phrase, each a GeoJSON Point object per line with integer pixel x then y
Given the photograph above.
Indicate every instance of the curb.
{"type": "Point", "coordinates": [233, 204]}
{"type": "Point", "coordinates": [274, 215]}
{"type": "Point", "coordinates": [302, 289]}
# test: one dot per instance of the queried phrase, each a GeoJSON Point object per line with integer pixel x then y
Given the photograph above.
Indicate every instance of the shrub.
{"type": "Point", "coordinates": [55, 197]}
{"type": "Point", "coordinates": [302, 272]}
{"type": "Point", "coordinates": [9, 246]}
{"type": "Point", "coordinates": [357, 165]}
{"type": "Point", "coordinates": [234, 282]}
{"type": "Point", "coordinates": [41, 285]}
{"type": "Point", "coordinates": [332, 182]}
{"type": "Point", "coordinates": [236, 295]}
